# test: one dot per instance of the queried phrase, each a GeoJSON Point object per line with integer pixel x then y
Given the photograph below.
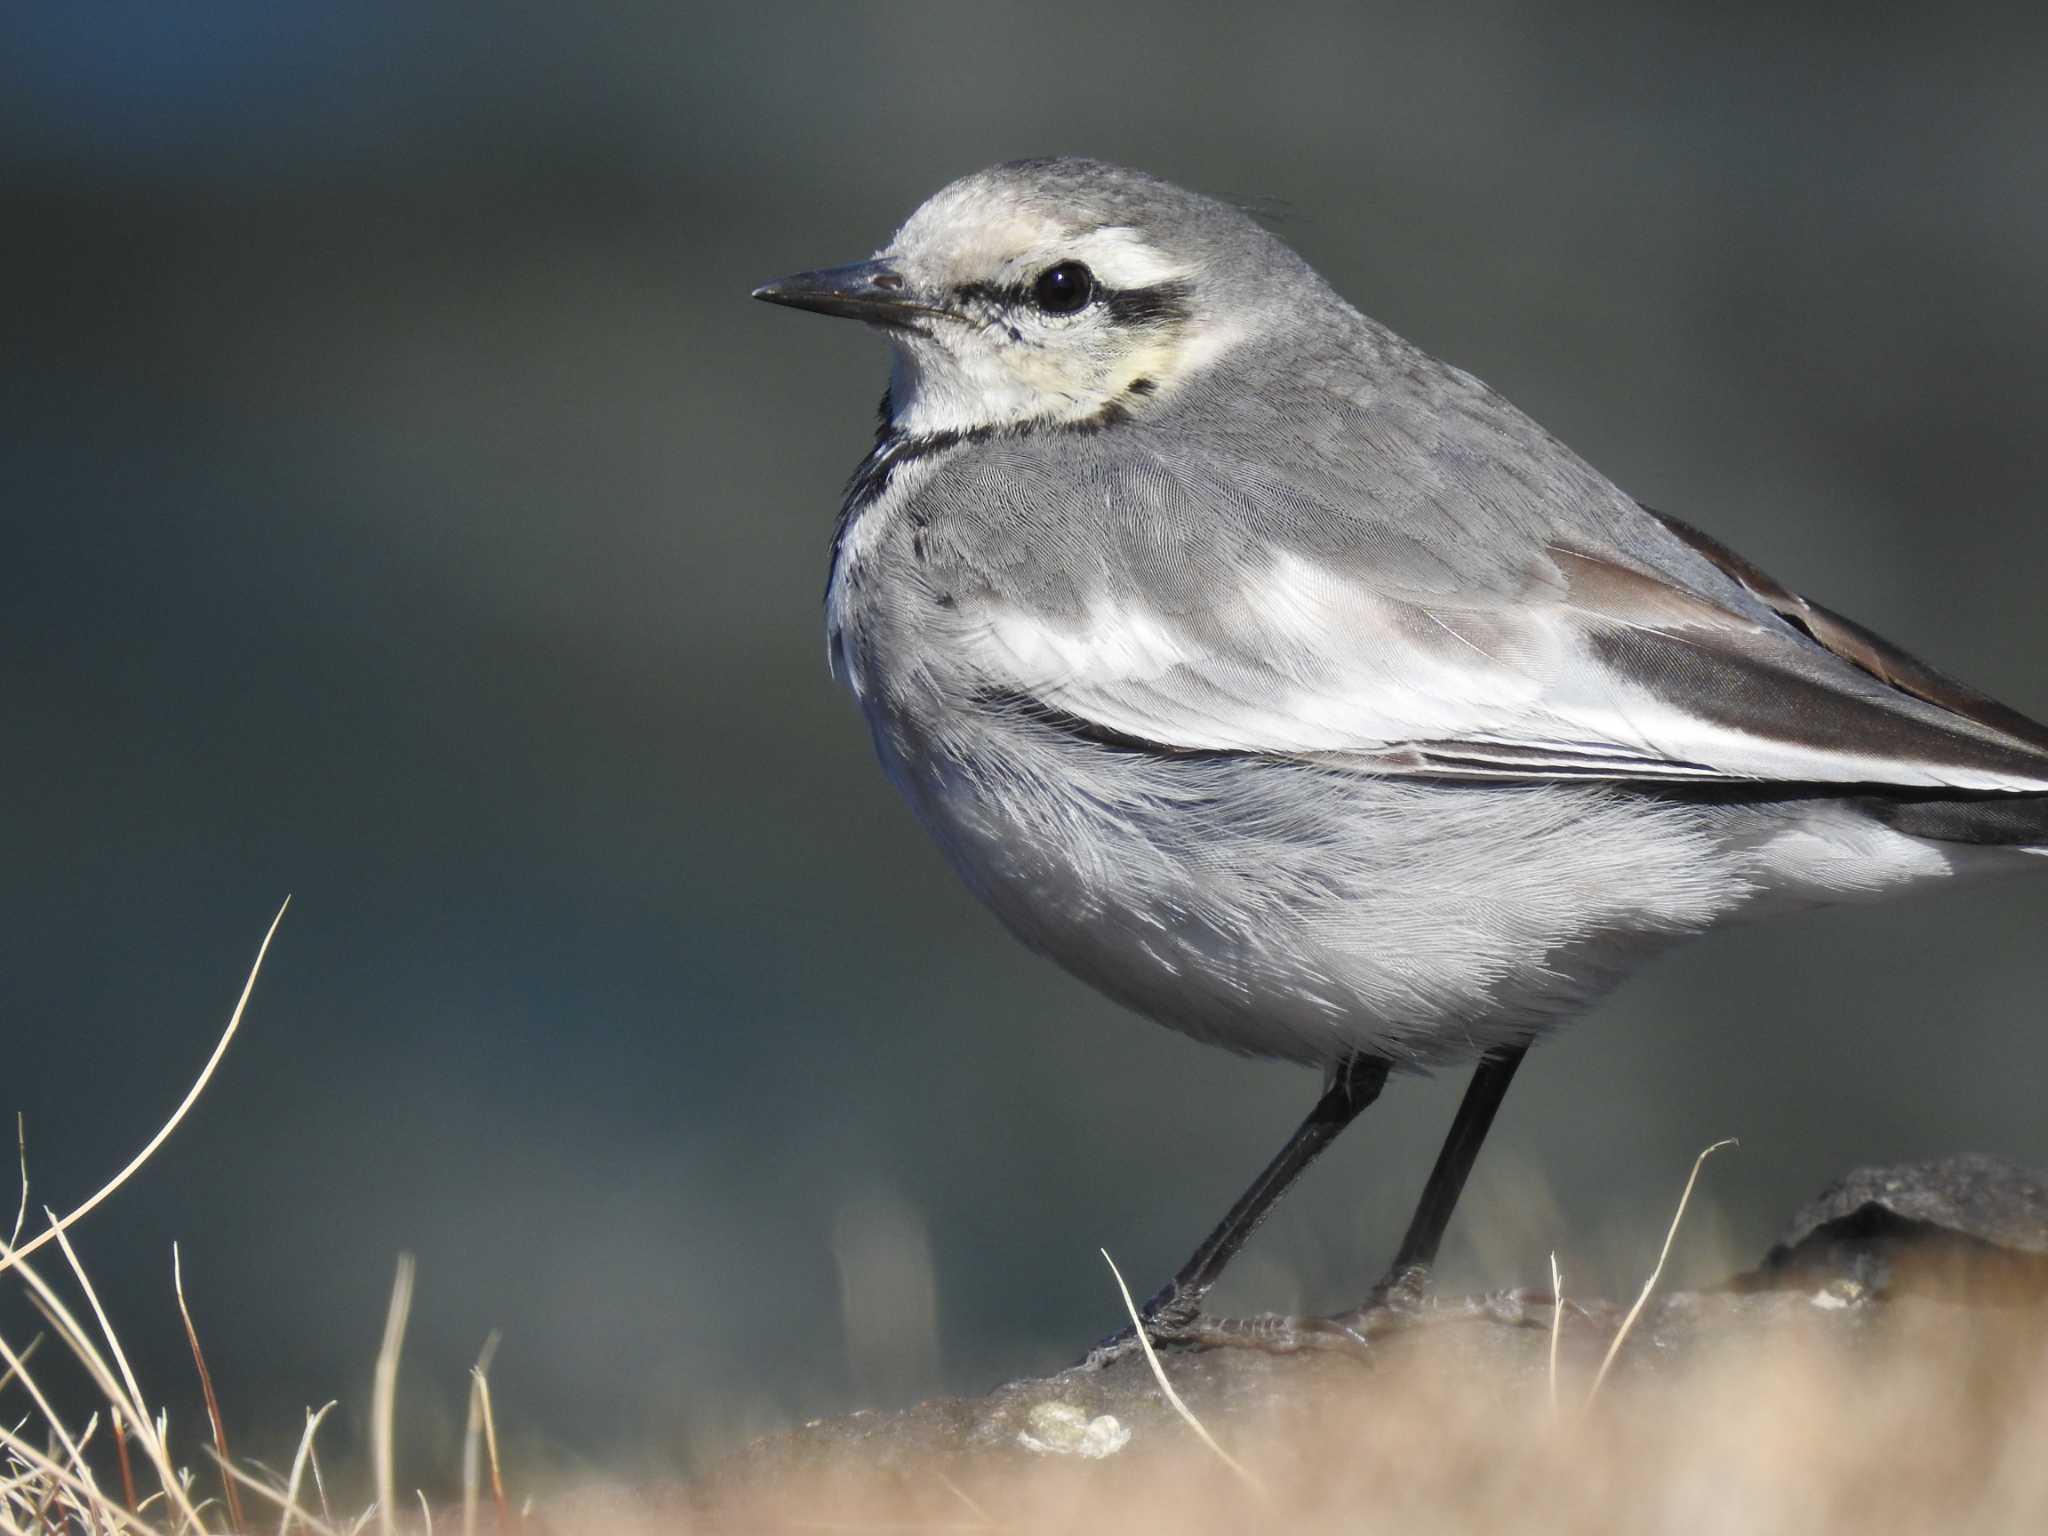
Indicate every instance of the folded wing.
{"type": "Point", "coordinates": [1457, 627]}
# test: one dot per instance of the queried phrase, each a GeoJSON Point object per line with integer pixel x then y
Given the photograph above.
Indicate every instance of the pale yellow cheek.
{"type": "Point", "coordinates": [1080, 384]}
{"type": "Point", "coordinates": [1061, 379]}
{"type": "Point", "coordinates": [1161, 359]}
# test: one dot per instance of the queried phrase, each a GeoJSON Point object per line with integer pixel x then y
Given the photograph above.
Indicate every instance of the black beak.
{"type": "Point", "coordinates": [865, 290]}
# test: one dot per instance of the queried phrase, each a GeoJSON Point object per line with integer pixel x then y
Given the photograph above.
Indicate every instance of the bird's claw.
{"type": "Point", "coordinates": [1270, 1332]}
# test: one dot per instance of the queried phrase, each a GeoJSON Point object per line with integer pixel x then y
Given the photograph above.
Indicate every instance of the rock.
{"type": "Point", "coordinates": [1895, 1264]}
{"type": "Point", "coordinates": [1968, 1225]}
{"type": "Point", "coordinates": [1093, 1427]}
{"type": "Point", "coordinates": [1060, 1429]}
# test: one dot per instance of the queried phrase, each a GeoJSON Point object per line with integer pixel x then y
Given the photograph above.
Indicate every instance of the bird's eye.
{"type": "Point", "coordinates": [1064, 289]}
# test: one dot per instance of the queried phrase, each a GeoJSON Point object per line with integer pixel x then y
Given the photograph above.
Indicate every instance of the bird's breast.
{"type": "Point", "coordinates": [864, 523]}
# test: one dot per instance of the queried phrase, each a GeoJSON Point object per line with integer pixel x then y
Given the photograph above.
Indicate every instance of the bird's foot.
{"type": "Point", "coordinates": [1273, 1333]}
{"type": "Point", "coordinates": [1176, 1322]}
{"type": "Point", "coordinates": [1401, 1300]}
{"type": "Point", "coordinates": [1404, 1298]}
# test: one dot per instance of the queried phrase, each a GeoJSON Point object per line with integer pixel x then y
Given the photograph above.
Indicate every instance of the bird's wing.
{"type": "Point", "coordinates": [1473, 617]}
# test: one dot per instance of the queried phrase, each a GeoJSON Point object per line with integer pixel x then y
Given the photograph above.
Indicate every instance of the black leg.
{"type": "Point", "coordinates": [1352, 1087]}
{"type": "Point", "coordinates": [1175, 1312]}
{"type": "Point", "coordinates": [1460, 1150]}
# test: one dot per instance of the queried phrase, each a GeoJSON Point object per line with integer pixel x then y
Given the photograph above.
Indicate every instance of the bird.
{"type": "Point", "coordinates": [1294, 689]}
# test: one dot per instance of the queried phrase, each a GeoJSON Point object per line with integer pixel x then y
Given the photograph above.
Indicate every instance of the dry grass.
{"type": "Point", "coordinates": [11, 1255]}
{"type": "Point", "coordinates": [48, 1482]}
{"type": "Point", "coordinates": [1935, 1419]}
{"type": "Point", "coordinates": [237, 1520]}
{"type": "Point", "coordinates": [1894, 1417]}
{"type": "Point", "coordinates": [1657, 1273]}
{"type": "Point", "coordinates": [1903, 1416]}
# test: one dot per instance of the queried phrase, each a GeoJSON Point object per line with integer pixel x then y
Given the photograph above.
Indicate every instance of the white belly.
{"type": "Point", "coordinates": [1292, 911]}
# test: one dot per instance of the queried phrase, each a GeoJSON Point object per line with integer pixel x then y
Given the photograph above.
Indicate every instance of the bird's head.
{"type": "Point", "coordinates": [1056, 291]}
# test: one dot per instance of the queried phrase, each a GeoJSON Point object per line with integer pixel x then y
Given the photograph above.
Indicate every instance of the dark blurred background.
{"type": "Point", "coordinates": [405, 509]}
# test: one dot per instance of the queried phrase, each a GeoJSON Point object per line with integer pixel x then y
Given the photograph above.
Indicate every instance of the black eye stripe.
{"type": "Point", "coordinates": [1160, 304]}
{"type": "Point", "coordinates": [1016, 295]}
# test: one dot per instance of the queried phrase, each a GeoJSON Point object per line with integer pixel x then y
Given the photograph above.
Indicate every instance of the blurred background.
{"type": "Point", "coordinates": [405, 509]}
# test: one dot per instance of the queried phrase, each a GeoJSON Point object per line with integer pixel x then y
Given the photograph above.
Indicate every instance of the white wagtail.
{"type": "Point", "coordinates": [1299, 692]}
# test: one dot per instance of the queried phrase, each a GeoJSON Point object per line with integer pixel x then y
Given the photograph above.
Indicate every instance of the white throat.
{"type": "Point", "coordinates": [934, 389]}
{"type": "Point", "coordinates": [931, 391]}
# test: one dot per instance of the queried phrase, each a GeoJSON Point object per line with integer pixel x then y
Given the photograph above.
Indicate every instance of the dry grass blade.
{"type": "Point", "coordinates": [85, 1509]}
{"type": "Point", "coordinates": [319, 1482]}
{"type": "Point", "coordinates": [1649, 1285]}
{"type": "Point", "coordinates": [483, 1396]}
{"type": "Point", "coordinates": [236, 1522]}
{"type": "Point", "coordinates": [1556, 1327]}
{"type": "Point", "coordinates": [28, 1354]}
{"type": "Point", "coordinates": [472, 1460]}
{"type": "Point", "coordinates": [40, 1467]}
{"type": "Point", "coordinates": [426, 1510]}
{"type": "Point", "coordinates": [281, 1498]}
{"type": "Point", "coordinates": [43, 1503]}
{"type": "Point", "coordinates": [74, 1473]}
{"type": "Point", "coordinates": [1166, 1387]}
{"type": "Point", "coordinates": [384, 1395]}
{"type": "Point", "coordinates": [13, 1255]}
{"type": "Point", "coordinates": [121, 1456]}
{"type": "Point", "coordinates": [157, 1442]}
{"type": "Point", "coordinates": [21, 1151]}
{"type": "Point", "coordinates": [305, 1454]}
{"type": "Point", "coordinates": [473, 1436]}
{"type": "Point", "coordinates": [63, 1436]}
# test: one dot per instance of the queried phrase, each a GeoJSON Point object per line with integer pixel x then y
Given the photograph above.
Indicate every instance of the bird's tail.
{"type": "Point", "coordinates": [1987, 821]}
